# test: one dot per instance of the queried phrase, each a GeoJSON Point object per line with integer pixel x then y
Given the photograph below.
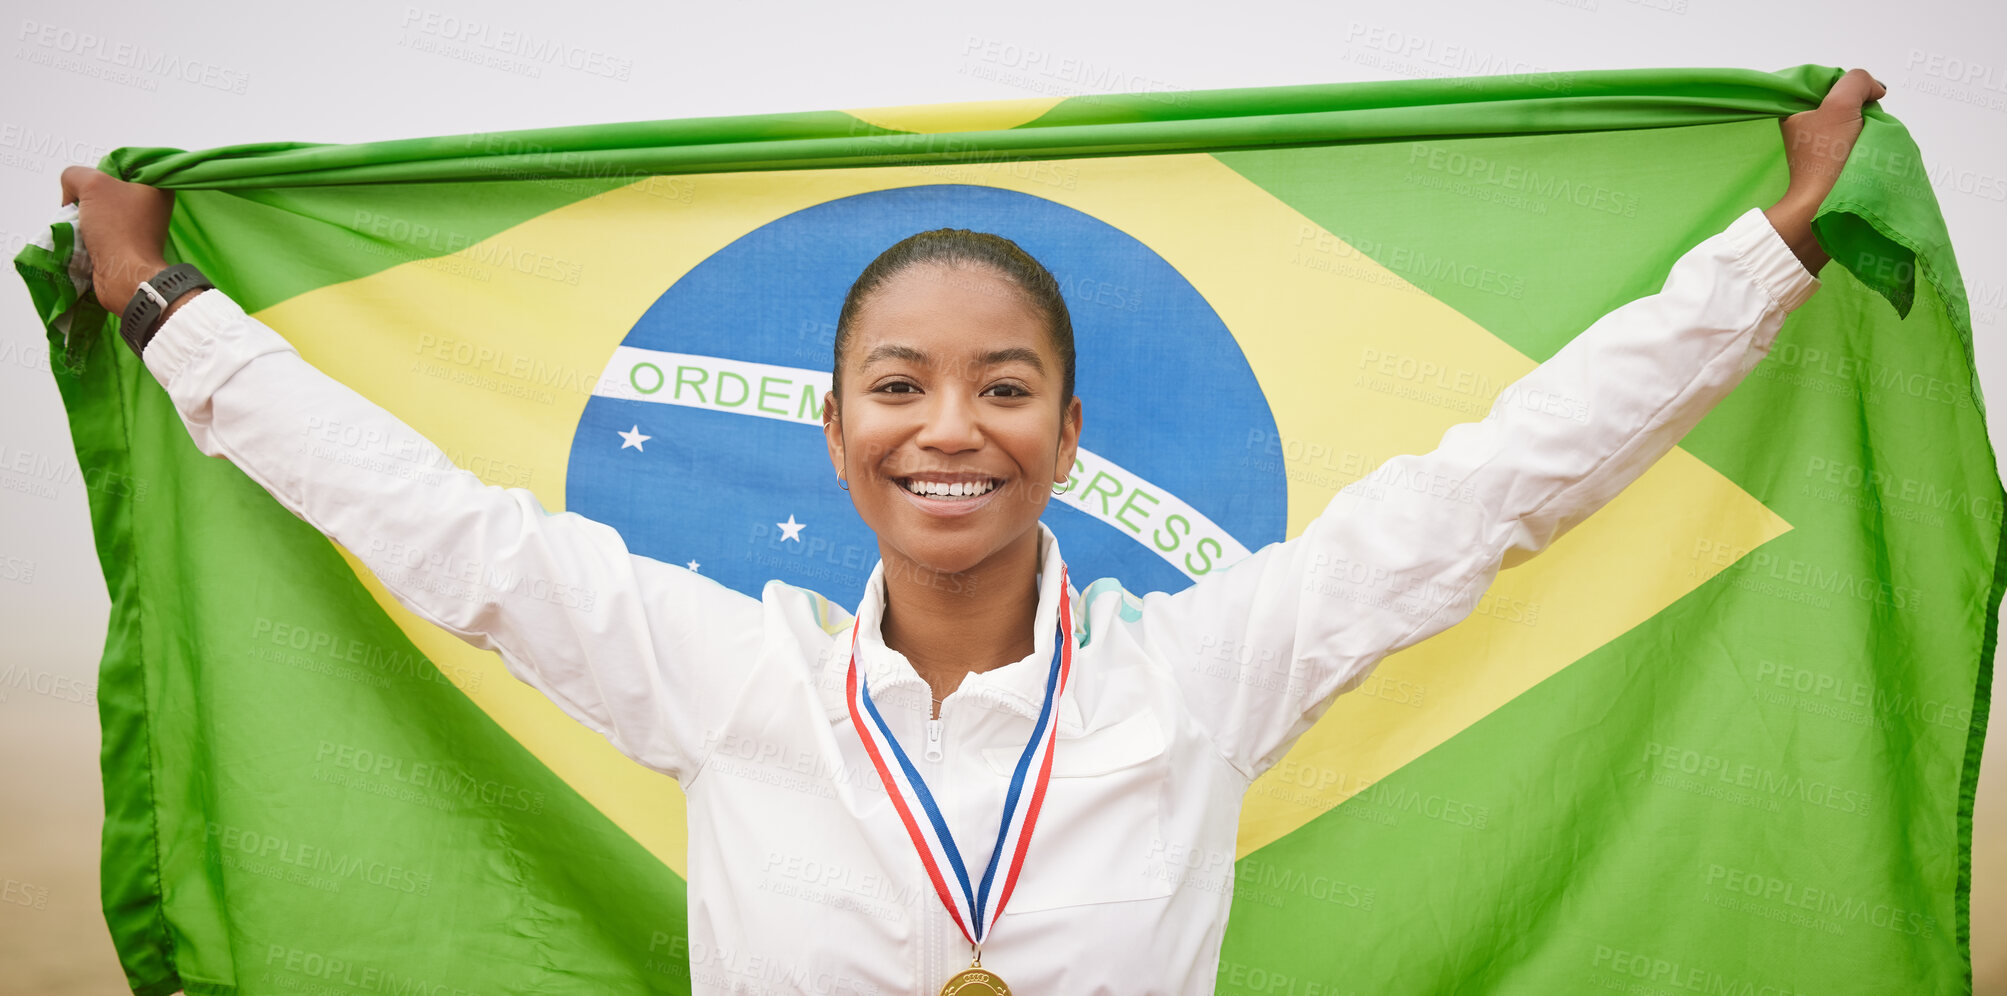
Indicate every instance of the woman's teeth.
{"type": "Point", "coordinates": [933, 490]}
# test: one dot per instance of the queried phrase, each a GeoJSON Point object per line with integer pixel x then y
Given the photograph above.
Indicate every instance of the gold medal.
{"type": "Point", "coordinates": [975, 980]}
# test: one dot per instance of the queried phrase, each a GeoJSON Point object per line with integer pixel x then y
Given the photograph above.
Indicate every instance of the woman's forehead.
{"type": "Point", "coordinates": [972, 287]}
{"type": "Point", "coordinates": [957, 315]}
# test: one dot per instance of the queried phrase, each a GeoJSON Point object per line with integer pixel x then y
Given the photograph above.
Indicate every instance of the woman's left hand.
{"type": "Point", "coordinates": [1816, 145]}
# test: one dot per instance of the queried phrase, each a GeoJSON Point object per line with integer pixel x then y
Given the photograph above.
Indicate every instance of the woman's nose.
{"type": "Point", "coordinates": [953, 424]}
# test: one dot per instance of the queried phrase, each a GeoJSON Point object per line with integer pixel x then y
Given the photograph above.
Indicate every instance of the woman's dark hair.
{"type": "Point", "coordinates": [961, 247]}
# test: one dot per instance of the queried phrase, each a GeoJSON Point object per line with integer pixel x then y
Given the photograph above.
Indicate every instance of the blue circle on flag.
{"type": "Point", "coordinates": [733, 475]}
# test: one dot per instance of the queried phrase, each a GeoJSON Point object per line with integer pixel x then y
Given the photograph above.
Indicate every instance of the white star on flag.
{"type": "Point", "coordinates": [634, 438]}
{"type": "Point", "coordinates": [791, 530]}
{"type": "Point", "coordinates": [693, 565]}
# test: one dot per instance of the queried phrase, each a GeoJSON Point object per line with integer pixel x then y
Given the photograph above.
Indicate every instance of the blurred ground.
{"type": "Point", "coordinates": [53, 940]}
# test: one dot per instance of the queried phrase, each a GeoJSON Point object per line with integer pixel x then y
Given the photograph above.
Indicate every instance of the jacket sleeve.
{"type": "Point", "coordinates": [1382, 569]}
{"type": "Point", "coordinates": [644, 653]}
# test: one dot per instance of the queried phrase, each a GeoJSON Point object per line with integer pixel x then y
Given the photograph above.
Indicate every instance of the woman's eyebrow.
{"type": "Point", "coordinates": [894, 352]}
{"type": "Point", "coordinates": [995, 357]}
{"type": "Point", "coordinates": [1013, 354]}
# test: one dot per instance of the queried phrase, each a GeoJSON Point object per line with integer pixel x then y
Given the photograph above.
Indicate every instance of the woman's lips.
{"type": "Point", "coordinates": [949, 507]}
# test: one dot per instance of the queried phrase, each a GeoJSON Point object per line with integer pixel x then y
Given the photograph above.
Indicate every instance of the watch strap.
{"type": "Point", "coordinates": [142, 317]}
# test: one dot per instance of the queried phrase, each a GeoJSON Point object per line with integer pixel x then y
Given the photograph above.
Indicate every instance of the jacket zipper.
{"type": "Point", "coordinates": [933, 752]}
{"type": "Point", "coordinates": [931, 944]}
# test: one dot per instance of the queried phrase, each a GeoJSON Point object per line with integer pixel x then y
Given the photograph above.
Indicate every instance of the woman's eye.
{"type": "Point", "coordinates": [1014, 391]}
{"type": "Point", "coordinates": [895, 387]}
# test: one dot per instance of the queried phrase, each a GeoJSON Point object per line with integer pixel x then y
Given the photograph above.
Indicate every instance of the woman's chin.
{"type": "Point", "coordinates": [928, 558]}
{"type": "Point", "coordinates": [932, 559]}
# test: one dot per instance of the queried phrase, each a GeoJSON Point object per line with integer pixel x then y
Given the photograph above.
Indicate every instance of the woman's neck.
{"type": "Point", "coordinates": [951, 625]}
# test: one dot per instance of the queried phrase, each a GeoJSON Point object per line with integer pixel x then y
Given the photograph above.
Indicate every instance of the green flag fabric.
{"type": "Point", "coordinates": [1722, 738]}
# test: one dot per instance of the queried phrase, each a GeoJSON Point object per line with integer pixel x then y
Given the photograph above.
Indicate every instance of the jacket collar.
{"type": "Point", "coordinates": [1017, 687]}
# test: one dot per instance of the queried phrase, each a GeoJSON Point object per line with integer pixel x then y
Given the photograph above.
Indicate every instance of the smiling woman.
{"type": "Point", "coordinates": [1069, 757]}
{"type": "Point", "coordinates": [959, 422]}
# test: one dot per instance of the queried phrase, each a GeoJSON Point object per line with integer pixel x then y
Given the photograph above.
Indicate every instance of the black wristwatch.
{"type": "Point", "coordinates": [142, 314]}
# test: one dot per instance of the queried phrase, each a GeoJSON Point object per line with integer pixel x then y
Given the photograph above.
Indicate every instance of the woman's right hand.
{"type": "Point", "coordinates": [123, 226]}
{"type": "Point", "coordinates": [1816, 146]}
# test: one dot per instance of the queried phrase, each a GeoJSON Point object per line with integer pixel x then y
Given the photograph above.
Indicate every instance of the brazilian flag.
{"type": "Point", "coordinates": [1722, 738]}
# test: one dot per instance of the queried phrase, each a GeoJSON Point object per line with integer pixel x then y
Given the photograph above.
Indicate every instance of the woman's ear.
{"type": "Point", "coordinates": [832, 431]}
{"type": "Point", "coordinates": [1070, 424]}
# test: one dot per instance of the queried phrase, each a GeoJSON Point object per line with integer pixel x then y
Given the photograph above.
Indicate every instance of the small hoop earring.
{"type": "Point", "coordinates": [846, 484]}
{"type": "Point", "coordinates": [1060, 488]}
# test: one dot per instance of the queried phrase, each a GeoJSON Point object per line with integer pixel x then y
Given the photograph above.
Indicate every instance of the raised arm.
{"type": "Point", "coordinates": [1384, 568]}
{"type": "Point", "coordinates": [647, 654]}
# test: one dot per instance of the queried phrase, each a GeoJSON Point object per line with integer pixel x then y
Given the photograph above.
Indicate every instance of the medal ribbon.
{"type": "Point", "coordinates": [968, 903]}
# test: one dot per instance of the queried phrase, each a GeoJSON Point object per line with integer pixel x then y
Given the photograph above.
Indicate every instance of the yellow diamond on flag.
{"type": "Point", "coordinates": [1356, 363]}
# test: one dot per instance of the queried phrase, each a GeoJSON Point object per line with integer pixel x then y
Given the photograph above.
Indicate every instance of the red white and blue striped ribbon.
{"type": "Point", "coordinates": [974, 905]}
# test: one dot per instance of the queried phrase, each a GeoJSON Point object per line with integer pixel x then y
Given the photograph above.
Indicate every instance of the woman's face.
{"type": "Point", "coordinates": [950, 378]}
